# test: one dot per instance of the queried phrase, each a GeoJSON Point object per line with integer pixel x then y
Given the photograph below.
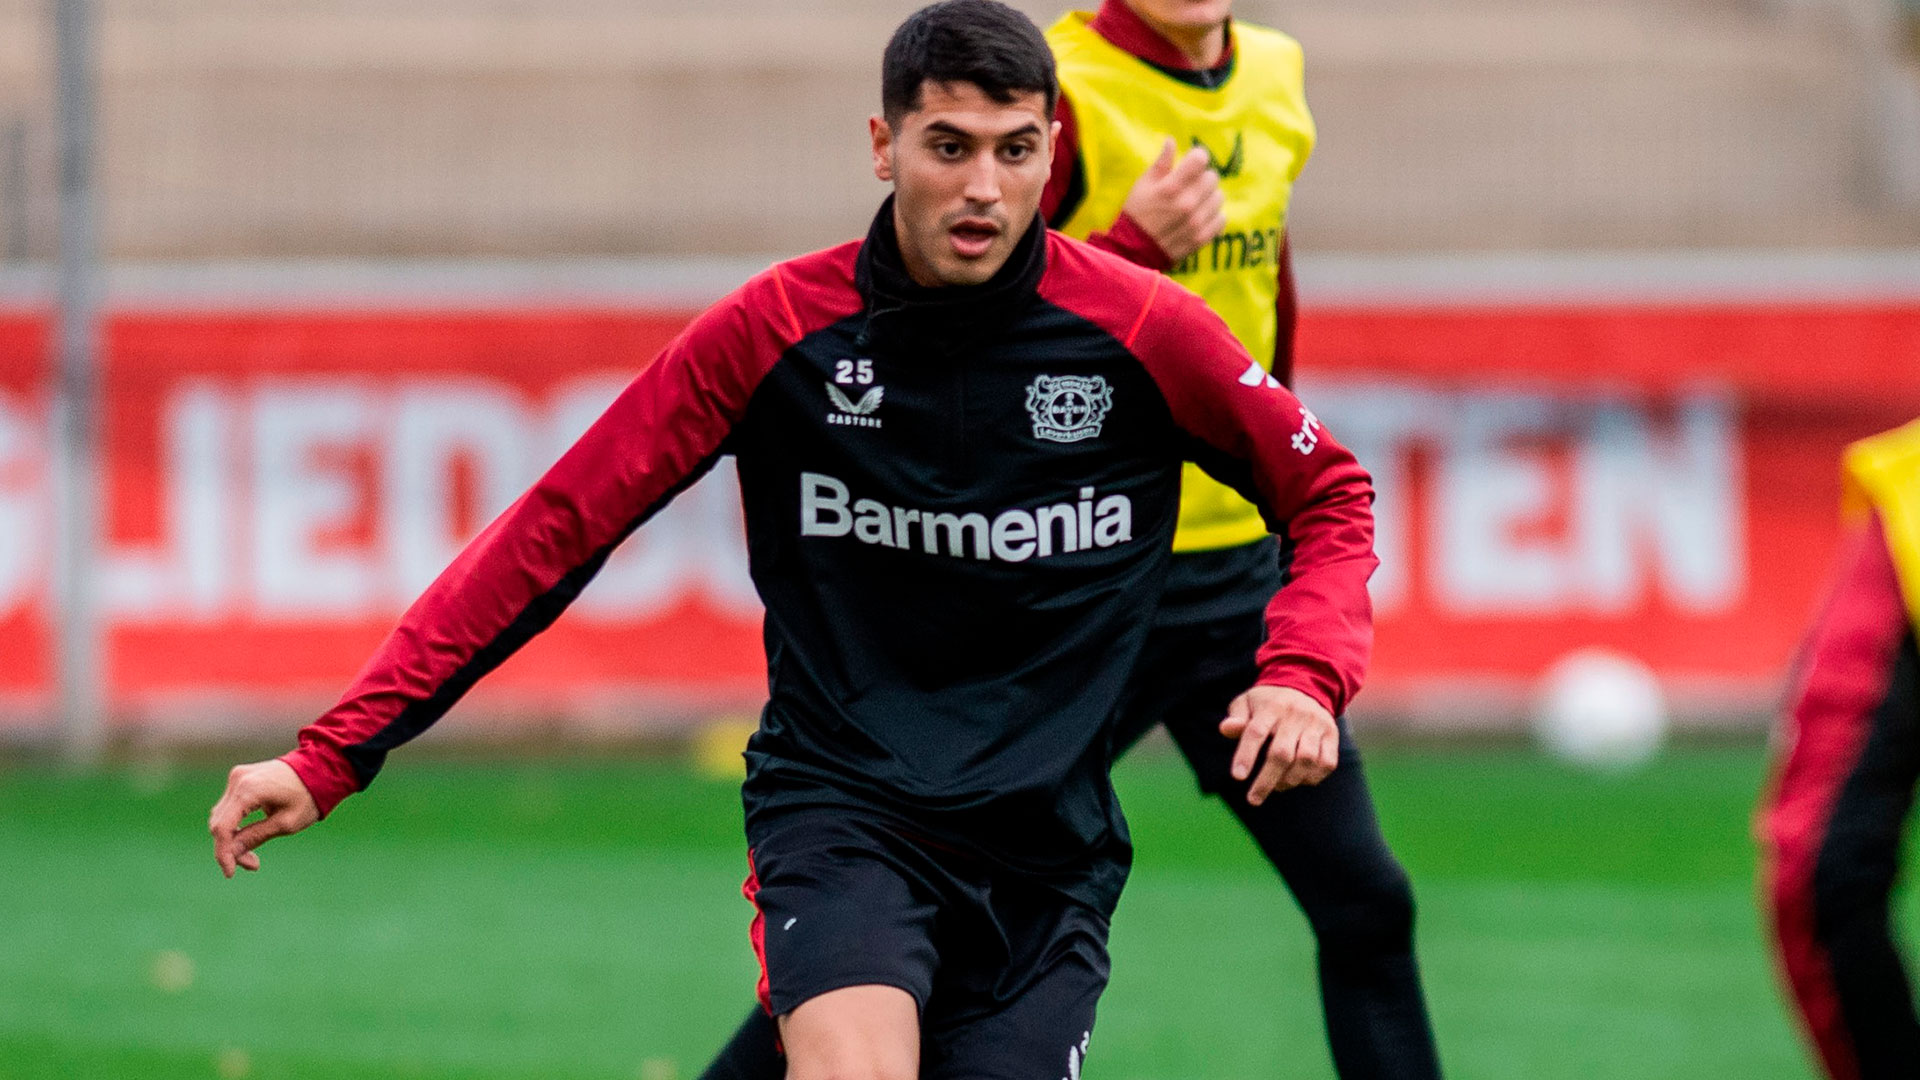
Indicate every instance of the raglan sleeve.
{"type": "Point", "coordinates": [1248, 431]}
{"type": "Point", "coordinates": [662, 433]}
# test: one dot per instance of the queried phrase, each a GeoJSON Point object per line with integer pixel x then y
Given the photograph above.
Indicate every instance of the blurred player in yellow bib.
{"type": "Point", "coordinates": [1137, 99]}
{"type": "Point", "coordinates": [1835, 814]}
{"type": "Point", "coordinates": [1181, 134]}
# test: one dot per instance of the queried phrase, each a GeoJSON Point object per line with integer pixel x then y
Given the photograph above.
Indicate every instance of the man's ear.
{"type": "Point", "coordinates": [882, 135]}
{"type": "Point", "coordinates": [1053, 141]}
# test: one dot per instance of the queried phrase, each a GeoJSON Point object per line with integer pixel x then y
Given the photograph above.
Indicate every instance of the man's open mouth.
{"type": "Point", "coordinates": [973, 236]}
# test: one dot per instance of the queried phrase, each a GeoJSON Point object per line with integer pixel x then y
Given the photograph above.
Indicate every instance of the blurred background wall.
{"type": "Point", "coordinates": [294, 128]}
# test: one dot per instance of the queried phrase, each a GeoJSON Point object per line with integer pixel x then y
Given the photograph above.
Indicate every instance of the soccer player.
{"type": "Point", "coordinates": [1841, 794]}
{"type": "Point", "coordinates": [959, 446]}
{"type": "Point", "coordinates": [1181, 135]}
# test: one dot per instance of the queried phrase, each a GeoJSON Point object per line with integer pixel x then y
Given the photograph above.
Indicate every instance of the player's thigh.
{"type": "Point", "coordinates": [1030, 1020]}
{"type": "Point", "coordinates": [841, 902]}
{"type": "Point", "coordinates": [854, 1033]}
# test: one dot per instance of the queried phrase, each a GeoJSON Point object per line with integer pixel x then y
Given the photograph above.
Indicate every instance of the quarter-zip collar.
{"type": "Point", "coordinates": [944, 318]}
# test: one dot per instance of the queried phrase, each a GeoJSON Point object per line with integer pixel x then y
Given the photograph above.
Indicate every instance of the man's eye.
{"type": "Point", "coordinates": [1018, 152]}
{"type": "Point", "coordinates": [948, 150]}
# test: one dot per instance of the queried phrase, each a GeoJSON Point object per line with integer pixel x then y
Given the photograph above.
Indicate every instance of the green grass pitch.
{"type": "Point", "coordinates": [582, 920]}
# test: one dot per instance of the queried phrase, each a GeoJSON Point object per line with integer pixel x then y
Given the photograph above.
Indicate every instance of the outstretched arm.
{"type": "Point", "coordinates": [662, 433]}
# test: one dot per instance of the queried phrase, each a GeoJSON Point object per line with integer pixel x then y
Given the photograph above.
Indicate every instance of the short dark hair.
{"type": "Point", "coordinates": [988, 44]}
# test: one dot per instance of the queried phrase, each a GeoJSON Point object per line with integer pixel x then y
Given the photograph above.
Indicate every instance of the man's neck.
{"type": "Point", "coordinates": [1204, 47]}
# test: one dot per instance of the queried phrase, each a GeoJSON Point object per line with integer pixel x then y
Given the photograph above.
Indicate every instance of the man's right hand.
{"type": "Point", "coordinates": [268, 786]}
{"type": "Point", "coordinates": [1178, 202]}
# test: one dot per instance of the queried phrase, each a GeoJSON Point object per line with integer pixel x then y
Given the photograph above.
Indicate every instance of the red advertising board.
{"type": "Point", "coordinates": [1657, 480]}
{"type": "Point", "coordinates": [1660, 480]}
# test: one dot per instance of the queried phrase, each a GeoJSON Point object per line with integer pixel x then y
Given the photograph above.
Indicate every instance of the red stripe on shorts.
{"type": "Point", "coordinates": [757, 932]}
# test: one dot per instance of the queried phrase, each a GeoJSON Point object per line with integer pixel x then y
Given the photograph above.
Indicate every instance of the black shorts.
{"type": "Point", "coordinates": [1006, 972]}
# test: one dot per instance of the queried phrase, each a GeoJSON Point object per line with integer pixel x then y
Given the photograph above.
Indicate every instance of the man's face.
{"type": "Point", "coordinates": [967, 174]}
{"type": "Point", "coordinates": [1183, 14]}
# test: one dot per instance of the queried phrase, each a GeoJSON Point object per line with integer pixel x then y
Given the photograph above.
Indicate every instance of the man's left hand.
{"type": "Point", "coordinates": [268, 786]}
{"type": "Point", "coordinates": [1301, 741]}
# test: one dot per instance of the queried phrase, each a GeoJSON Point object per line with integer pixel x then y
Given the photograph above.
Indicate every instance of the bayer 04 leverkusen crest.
{"type": "Point", "coordinates": [1068, 408]}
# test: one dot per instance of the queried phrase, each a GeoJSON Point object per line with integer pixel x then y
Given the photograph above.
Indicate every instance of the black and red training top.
{"type": "Point", "coordinates": [959, 505]}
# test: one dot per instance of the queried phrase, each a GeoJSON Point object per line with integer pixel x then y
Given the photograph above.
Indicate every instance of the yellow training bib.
{"type": "Point", "coordinates": [1256, 128]}
{"type": "Point", "coordinates": [1882, 474]}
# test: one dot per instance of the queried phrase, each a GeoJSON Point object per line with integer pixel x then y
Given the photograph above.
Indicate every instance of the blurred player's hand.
{"type": "Point", "coordinates": [271, 787]}
{"type": "Point", "coordinates": [1178, 202]}
{"type": "Point", "coordinates": [1301, 740]}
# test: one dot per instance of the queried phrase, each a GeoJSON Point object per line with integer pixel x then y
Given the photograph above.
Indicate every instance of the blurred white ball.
{"type": "Point", "coordinates": [1600, 709]}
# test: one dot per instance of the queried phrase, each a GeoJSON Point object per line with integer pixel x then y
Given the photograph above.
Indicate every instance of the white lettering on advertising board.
{"type": "Point", "coordinates": [1529, 504]}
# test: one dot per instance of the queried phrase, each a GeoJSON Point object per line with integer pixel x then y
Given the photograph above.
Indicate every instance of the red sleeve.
{"type": "Point", "coordinates": [1286, 316]}
{"type": "Point", "coordinates": [516, 577]}
{"type": "Point", "coordinates": [1251, 433]}
{"type": "Point", "coordinates": [1129, 240]}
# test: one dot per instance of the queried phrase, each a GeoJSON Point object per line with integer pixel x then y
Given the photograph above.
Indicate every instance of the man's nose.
{"type": "Point", "coordinates": [983, 180]}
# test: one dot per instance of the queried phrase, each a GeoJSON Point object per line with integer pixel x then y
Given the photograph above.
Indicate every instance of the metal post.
{"type": "Point", "coordinates": [13, 180]}
{"type": "Point", "coordinates": [76, 443]}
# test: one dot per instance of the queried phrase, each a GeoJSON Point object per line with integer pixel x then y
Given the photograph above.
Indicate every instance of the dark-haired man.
{"type": "Point", "coordinates": [959, 446]}
{"type": "Point", "coordinates": [1142, 81]}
